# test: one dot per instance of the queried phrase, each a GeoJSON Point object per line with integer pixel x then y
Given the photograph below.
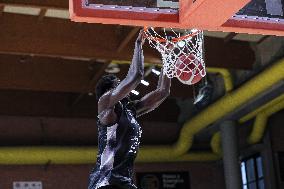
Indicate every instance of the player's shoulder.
{"type": "Point", "coordinates": [103, 101]}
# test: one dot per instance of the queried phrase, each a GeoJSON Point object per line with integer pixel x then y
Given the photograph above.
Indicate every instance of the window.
{"type": "Point", "coordinates": [252, 173]}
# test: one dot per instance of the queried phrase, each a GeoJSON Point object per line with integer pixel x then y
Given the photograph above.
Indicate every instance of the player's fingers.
{"type": "Point", "coordinates": [141, 37]}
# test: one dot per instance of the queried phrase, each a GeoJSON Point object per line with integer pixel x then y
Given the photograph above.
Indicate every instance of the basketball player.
{"type": "Point", "coordinates": [118, 130]}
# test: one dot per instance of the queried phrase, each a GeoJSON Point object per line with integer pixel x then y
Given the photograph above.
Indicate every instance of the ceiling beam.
{"type": "Point", "coordinates": [61, 4]}
{"type": "Point", "coordinates": [44, 74]}
{"type": "Point", "coordinates": [229, 37]}
{"type": "Point", "coordinates": [42, 13]}
{"type": "Point", "coordinates": [63, 38]}
{"type": "Point", "coordinates": [263, 39]}
{"type": "Point", "coordinates": [21, 34]}
{"type": "Point", "coordinates": [1, 9]}
{"type": "Point", "coordinates": [89, 88]}
{"type": "Point", "coordinates": [33, 73]}
{"type": "Point", "coordinates": [127, 39]}
{"type": "Point", "coordinates": [234, 55]}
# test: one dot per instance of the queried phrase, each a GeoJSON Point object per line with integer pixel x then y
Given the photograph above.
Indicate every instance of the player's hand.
{"type": "Point", "coordinates": [141, 38]}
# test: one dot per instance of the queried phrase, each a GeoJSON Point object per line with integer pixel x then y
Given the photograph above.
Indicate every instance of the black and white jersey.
{"type": "Point", "coordinates": [118, 146]}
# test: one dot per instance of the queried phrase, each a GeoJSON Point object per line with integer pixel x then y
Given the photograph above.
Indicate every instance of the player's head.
{"type": "Point", "coordinates": [106, 83]}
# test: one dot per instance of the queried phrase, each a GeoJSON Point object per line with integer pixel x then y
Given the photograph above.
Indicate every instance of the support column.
{"type": "Point", "coordinates": [231, 155]}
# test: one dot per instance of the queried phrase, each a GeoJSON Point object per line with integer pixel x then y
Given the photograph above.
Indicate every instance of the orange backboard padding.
{"type": "Point", "coordinates": [212, 15]}
{"type": "Point", "coordinates": [258, 26]}
{"type": "Point", "coordinates": [92, 12]}
{"type": "Point", "coordinates": [208, 13]}
{"type": "Point", "coordinates": [197, 14]}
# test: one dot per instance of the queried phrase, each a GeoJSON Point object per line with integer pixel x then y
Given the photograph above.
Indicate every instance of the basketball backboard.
{"type": "Point", "coordinates": [241, 16]}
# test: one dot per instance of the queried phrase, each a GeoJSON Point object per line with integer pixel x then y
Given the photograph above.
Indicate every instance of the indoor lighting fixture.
{"type": "Point", "coordinates": [146, 83]}
{"type": "Point", "coordinates": [156, 71]}
{"type": "Point", "coordinates": [112, 68]}
{"type": "Point", "coordinates": [135, 92]}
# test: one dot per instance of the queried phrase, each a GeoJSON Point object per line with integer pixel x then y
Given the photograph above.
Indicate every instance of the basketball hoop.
{"type": "Point", "coordinates": [182, 52]}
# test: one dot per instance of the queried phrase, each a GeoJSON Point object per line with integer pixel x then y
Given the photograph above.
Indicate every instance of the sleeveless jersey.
{"type": "Point", "coordinates": [118, 146]}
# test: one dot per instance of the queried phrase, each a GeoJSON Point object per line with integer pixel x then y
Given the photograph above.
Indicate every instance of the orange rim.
{"type": "Point", "coordinates": [175, 39]}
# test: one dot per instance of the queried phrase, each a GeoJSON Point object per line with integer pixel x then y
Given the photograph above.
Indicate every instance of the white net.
{"type": "Point", "coordinates": [182, 53]}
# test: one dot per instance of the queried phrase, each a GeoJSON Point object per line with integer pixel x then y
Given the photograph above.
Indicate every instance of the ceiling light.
{"type": "Point", "coordinates": [156, 71]}
{"type": "Point", "coordinates": [135, 92]}
{"type": "Point", "coordinates": [55, 13]}
{"type": "Point", "coordinates": [112, 68]}
{"type": "Point", "coordinates": [22, 10]}
{"type": "Point", "coordinates": [146, 83]}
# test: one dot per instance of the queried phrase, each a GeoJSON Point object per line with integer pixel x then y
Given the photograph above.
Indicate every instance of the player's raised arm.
{"type": "Point", "coordinates": [133, 78]}
{"type": "Point", "coordinates": [153, 99]}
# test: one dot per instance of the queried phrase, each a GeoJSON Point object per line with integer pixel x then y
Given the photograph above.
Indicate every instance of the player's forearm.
{"type": "Point", "coordinates": [164, 83]}
{"type": "Point", "coordinates": [137, 65]}
{"type": "Point", "coordinates": [160, 79]}
{"type": "Point", "coordinates": [152, 100]}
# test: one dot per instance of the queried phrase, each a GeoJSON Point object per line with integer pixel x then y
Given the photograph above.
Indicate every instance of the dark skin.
{"type": "Point", "coordinates": [122, 89]}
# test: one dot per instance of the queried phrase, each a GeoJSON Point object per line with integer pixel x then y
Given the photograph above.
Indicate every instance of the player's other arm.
{"type": "Point", "coordinates": [153, 99]}
{"type": "Point", "coordinates": [133, 78]}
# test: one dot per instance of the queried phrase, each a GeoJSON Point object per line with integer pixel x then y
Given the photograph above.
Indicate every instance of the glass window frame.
{"type": "Point", "coordinates": [258, 177]}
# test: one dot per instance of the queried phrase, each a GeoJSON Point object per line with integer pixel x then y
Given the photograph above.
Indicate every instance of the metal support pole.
{"type": "Point", "coordinates": [231, 155]}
